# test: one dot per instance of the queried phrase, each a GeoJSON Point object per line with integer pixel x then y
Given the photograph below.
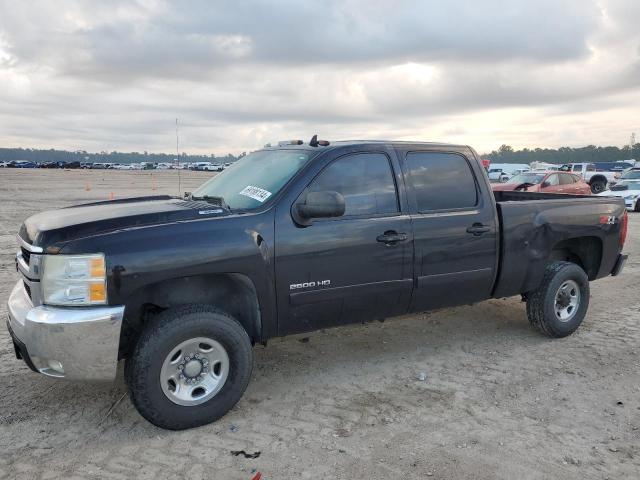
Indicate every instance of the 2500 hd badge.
{"type": "Point", "coordinates": [321, 283]}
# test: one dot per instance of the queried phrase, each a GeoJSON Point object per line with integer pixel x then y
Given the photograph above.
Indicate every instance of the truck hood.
{"type": "Point", "coordinates": [58, 226]}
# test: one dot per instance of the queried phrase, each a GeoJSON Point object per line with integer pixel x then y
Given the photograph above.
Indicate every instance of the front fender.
{"type": "Point", "coordinates": [144, 256]}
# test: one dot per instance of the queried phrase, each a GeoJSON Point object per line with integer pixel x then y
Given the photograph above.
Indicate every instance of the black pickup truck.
{"type": "Point", "coordinates": [291, 239]}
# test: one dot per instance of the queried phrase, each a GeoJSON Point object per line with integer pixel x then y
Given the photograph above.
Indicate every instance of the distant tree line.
{"type": "Point", "coordinates": [505, 154]}
{"type": "Point", "coordinates": [37, 155]}
{"type": "Point", "coordinates": [590, 153]}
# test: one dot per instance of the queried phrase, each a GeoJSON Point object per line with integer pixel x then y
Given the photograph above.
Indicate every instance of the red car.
{"type": "Point", "coordinates": [547, 182]}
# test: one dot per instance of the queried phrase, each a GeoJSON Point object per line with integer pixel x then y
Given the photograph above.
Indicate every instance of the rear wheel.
{"type": "Point", "coordinates": [598, 186]}
{"type": "Point", "coordinates": [189, 367]}
{"type": "Point", "coordinates": [560, 303]}
{"type": "Point", "coordinates": [637, 209]}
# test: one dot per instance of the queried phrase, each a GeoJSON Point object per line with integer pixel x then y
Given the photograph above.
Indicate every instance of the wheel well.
{"type": "Point", "coordinates": [232, 292]}
{"type": "Point", "coordinates": [584, 251]}
{"type": "Point", "coordinates": [597, 178]}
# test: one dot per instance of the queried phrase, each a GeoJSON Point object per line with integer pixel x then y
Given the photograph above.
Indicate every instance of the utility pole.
{"type": "Point", "coordinates": [178, 159]}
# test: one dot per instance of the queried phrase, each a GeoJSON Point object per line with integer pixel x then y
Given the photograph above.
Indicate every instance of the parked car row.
{"type": "Point", "coordinates": [546, 182]}
{"type": "Point", "coordinates": [200, 166]}
{"type": "Point", "coordinates": [19, 164]}
{"type": "Point", "coordinates": [626, 186]}
{"type": "Point", "coordinates": [595, 175]}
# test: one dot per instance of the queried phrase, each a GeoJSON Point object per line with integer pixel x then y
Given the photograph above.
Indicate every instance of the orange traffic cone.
{"type": "Point", "coordinates": [87, 187]}
{"type": "Point", "coordinates": [153, 183]}
{"type": "Point", "coordinates": [111, 196]}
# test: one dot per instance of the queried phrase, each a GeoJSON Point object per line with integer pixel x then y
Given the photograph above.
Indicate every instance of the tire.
{"type": "Point", "coordinates": [637, 209]}
{"type": "Point", "coordinates": [541, 303]}
{"type": "Point", "coordinates": [598, 186]}
{"type": "Point", "coordinates": [166, 332]}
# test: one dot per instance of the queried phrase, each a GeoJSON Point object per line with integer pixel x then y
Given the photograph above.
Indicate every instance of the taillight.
{"type": "Point", "coordinates": [624, 223]}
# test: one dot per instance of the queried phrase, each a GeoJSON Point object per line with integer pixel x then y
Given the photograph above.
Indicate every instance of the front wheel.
{"type": "Point", "coordinates": [189, 367]}
{"type": "Point", "coordinates": [560, 303]}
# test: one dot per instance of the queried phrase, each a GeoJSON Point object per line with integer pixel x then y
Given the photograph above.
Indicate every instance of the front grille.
{"type": "Point", "coordinates": [27, 289]}
{"type": "Point", "coordinates": [26, 255]}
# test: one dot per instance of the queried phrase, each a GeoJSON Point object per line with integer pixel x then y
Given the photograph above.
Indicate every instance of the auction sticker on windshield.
{"type": "Point", "coordinates": [256, 193]}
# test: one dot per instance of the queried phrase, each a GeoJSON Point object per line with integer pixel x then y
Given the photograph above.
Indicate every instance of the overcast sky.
{"type": "Point", "coordinates": [96, 75]}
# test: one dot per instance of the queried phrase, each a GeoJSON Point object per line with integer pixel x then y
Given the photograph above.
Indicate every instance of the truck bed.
{"type": "Point", "coordinates": [535, 226]}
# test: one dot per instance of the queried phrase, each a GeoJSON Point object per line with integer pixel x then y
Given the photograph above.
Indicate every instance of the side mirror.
{"type": "Point", "coordinates": [318, 205]}
{"type": "Point", "coordinates": [545, 185]}
{"type": "Point", "coordinates": [187, 195]}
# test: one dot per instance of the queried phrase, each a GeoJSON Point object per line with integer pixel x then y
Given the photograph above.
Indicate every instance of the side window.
{"type": "Point", "coordinates": [577, 168]}
{"type": "Point", "coordinates": [552, 180]}
{"type": "Point", "coordinates": [441, 181]}
{"type": "Point", "coordinates": [365, 180]}
{"type": "Point", "coordinates": [591, 167]}
{"type": "Point", "coordinates": [566, 179]}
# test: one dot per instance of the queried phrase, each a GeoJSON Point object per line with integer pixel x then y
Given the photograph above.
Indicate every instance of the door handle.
{"type": "Point", "coordinates": [391, 237]}
{"type": "Point", "coordinates": [478, 229]}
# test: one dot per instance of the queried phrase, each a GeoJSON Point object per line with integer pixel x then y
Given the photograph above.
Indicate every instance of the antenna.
{"type": "Point", "coordinates": [177, 162]}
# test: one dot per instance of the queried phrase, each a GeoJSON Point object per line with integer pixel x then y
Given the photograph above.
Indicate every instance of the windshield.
{"type": "Point", "coordinates": [253, 179]}
{"type": "Point", "coordinates": [633, 174]}
{"type": "Point", "coordinates": [532, 178]}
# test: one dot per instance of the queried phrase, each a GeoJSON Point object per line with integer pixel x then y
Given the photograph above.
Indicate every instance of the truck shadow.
{"type": "Point", "coordinates": [395, 349]}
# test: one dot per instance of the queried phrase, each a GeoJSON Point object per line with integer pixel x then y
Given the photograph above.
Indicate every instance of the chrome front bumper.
{"type": "Point", "coordinates": [77, 343]}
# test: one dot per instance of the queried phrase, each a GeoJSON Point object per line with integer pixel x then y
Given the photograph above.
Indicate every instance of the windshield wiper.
{"type": "Point", "coordinates": [218, 201]}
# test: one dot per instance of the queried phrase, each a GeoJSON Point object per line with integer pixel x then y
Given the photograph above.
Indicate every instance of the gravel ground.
{"type": "Point", "coordinates": [498, 400]}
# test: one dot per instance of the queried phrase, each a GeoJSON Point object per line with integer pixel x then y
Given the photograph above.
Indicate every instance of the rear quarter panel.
{"type": "Point", "coordinates": [531, 228]}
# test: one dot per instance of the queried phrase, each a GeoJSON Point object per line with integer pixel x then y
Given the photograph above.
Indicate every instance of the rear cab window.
{"type": "Point", "coordinates": [441, 181]}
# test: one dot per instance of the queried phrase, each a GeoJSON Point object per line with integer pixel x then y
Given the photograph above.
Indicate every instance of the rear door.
{"type": "Point", "coordinates": [567, 183]}
{"type": "Point", "coordinates": [352, 268]}
{"type": "Point", "coordinates": [455, 228]}
{"type": "Point", "coordinates": [580, 186]}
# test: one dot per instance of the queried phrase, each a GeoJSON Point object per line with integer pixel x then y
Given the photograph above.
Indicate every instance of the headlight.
{"type": "Point", "coordinates": [74, 280]}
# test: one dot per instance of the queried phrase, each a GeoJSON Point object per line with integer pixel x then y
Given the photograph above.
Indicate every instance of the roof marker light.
{"type": "Point", "coordinates": [314, 142]}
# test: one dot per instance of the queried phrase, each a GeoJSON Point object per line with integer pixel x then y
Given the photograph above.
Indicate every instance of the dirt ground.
{"type": "Point", "coordinates": [498, 401]}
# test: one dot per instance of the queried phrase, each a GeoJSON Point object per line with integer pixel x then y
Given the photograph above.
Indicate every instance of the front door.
{"type": "Point", "coordinates": [353, 268]}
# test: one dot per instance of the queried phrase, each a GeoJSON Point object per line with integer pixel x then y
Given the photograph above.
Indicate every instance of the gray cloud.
{"type": "Point", "coordinates": [187, 38]}
{"type": "Point", "coordinates": [115, 74]}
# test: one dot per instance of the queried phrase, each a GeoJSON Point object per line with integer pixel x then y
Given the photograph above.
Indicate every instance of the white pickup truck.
{"type": "Point", "coordinates": [598, 180]}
